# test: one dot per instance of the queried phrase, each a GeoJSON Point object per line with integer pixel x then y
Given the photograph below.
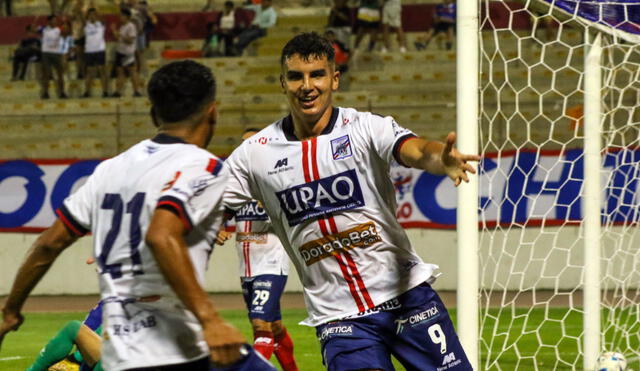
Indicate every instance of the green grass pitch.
{"type": "Point", "coordinates": [517, 337]}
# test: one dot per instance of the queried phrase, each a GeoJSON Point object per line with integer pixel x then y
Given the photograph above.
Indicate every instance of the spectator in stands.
{"type": "Point", "coordinates": [77, 19]}
{"type": "Point", "coordinates": [126, 53]}
{"type": "Point", "coordinates": [340, 22]}
{"type": "Point", "coordinates": [340, 50]}
{"type": "Point", "coordinates": [444, 21]}
{"type": "Point", "coordinates": [52, 58]}
{"type": "Point", "coordinates": [211, 46]}
{"type": "Point", "coordinates": [95, 52]}
{"type": "Point", "coordinates": [27, 51]}
{"type": "Point", "coordinates": [68, 48]}
{"type": "Point", "coordinates": [138, 19]}
{"type": "Point", "coordinates": [58, 10]}
{"type": "Point", "coordinates": [231, 23]}
{"type": "Point", "coordinates": [208, 5]}
{"type": "Point", "coordinates": [149, 21]}
{"type": "Point", "coordinates": [368, 22]}
{"type": "Point", "coordinates": [265, 17]}
{"type": "Point", "coordinates": [392, 22]}
{"type": "Point", "coordinates": [8, 7]}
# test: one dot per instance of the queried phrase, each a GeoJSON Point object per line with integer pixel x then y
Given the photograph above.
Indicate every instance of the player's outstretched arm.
{"type": "Point", "coordinates": [37, 262]}
{"type": "Point", "coordinates": [438, 158]}
{"type": "Point", "coordinates": [165, 240]}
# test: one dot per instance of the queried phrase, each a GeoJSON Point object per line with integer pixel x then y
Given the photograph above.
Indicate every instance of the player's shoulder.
{"type": "Point", "coordinates": [364, 118]}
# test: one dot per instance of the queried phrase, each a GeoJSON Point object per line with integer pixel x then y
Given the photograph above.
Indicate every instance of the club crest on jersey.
{"type": "Point", "coordinates": [341, 147]}
{"type": "Point", "coordinates": [251, 211]}
{"type": "Point", "coordinates": [320, 197]}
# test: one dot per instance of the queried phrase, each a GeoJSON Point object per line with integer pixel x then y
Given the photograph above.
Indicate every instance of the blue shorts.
{"type": "Point", "coordinates": [415, 327]}
{"type": "Point", "coordinates": [253, 361]}
{"type": "Point", "coordinates": [94, 318]}
{"type": "Point", "coordinates": [262, 295]}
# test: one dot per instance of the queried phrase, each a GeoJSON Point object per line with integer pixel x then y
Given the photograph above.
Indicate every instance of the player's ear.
{"type": "Point", "coordinates": [212, 113]}
{"type": "Point", "coordinates": [284, 90]}
{"type": "Point", "coordinates": [335, 80]}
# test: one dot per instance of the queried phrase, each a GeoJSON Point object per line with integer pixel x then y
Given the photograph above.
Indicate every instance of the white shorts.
{"type": "Point", "coordinates": [392, 14]}
{"type": "Point", "coordinates": [137, 334]}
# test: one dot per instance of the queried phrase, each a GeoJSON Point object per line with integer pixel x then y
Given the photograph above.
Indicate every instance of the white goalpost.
{"type": "Point", "coordinates": [548, 92]}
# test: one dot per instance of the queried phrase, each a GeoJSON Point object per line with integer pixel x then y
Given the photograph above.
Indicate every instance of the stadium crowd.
{"type": "Point", "coordinates": [75, 32]}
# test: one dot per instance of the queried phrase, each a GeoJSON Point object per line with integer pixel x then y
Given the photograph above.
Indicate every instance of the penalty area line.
{"type": "Point", "coordinates": [10, 358]}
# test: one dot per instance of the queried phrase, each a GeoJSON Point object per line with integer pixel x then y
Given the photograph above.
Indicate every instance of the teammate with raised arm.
{"type": "Point", "coordinates": [153, 211]}
{"type": "Point", "coordinates": [264, 268]}
{"type": "Point", "coordinates": [321, 174]}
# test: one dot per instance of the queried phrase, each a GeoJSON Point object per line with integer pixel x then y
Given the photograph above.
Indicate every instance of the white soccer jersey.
{"type": "Point", "coordinates": [51, 40]}
{"type": "Point", "coordinates": [116, 204]}
{"type": "Point", "coordinates": [332, 204]}
{"type": "Point", "coordinates": [259, 249]}
{"type": "Point", "coordinates": [94, 37]}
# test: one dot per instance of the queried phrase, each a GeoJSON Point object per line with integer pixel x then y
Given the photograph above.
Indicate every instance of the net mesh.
{"type": "Point", "coordinates": [531, 138]}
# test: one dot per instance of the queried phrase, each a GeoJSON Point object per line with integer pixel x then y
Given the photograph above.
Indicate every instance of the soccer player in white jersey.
{"type": "Point", "coordinates": [153, 211]}
{"type": "Point", "coordinates": [264, 267]}
{"type": "Point", "coordinates": [321, 174]}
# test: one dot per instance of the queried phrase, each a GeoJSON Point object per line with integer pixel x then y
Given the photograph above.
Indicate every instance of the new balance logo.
{"type": "Point", "coordinates": [449, 358]}
{"type": "Point", "coordinates": [281, 163]}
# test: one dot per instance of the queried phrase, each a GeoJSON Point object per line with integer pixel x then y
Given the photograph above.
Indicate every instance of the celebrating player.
{"type": "Point", "coordinates": [321, 174]}
{"type": "Point", "coordinates": [264, 267]}
{"type": "Point", "coordinates": [153, 212]}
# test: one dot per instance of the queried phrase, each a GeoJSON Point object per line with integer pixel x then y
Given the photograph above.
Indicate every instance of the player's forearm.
{"type": "Point", "coordinates": [38, 260]}
{"type": "Point", "coordinates": [173, 260]}
{"type": "Point", "coordinates": [423, 154]}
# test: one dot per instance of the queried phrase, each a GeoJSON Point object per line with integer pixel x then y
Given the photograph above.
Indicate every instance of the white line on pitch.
{"type": "Point", "coordinates": [10, 358]}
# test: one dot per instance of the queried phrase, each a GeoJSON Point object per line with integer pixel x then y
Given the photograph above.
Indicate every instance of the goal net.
{"type": "Point", "coordinates": [532, 182]}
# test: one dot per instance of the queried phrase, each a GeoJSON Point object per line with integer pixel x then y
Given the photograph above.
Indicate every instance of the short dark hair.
{"type": "Point", "coordinates": [180, 89]}
{"type": "Point", "coordinates": [308, 45]}
{"type": "Point", "coordinates": [91, 10]}
{"type": "Point", "coordinates": [51, 16]}
{"type": "Point", "coordinates": [228, 3]}
{"type": "Point", "coordinates": [125, 12]}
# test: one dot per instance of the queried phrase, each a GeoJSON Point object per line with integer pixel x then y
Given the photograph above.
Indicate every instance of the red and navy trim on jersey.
{"type": "Point", "coordinates": [67, 219]}
{"type": "Point", "coordinates": [396, 147]}
{"type": "Point", "coordinates": [214, 166]}
{"type": "Point", "coordinates": [328, 226]}
{"type": "Point", "coordinates": [176, 206]}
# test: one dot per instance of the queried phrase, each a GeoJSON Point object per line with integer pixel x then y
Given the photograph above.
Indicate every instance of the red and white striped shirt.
{"type": "Point", "coordinates": [332, 204]}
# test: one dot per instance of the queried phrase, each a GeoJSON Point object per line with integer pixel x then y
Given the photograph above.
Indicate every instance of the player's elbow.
{"type": "Point", "coordinates": [155, 237]}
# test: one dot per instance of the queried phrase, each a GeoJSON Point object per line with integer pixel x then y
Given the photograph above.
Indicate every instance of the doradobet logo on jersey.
{"type": "Point", "coordinates": [362, 236]}
{"type": "Point", "coordinates": [251, 211]}
{"type": "Point", "coordinates": [319, 197]}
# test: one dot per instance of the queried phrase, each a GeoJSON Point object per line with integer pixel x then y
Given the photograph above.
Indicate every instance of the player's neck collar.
{"type": "Point", "coordinates": [163, 138]}
{"type": "Point", "coordinates": [287, 125]}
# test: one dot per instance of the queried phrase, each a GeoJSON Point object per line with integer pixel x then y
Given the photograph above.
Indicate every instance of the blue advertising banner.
{"type": "Point", "coordinates": [619, 17]}
{"type": "Point", "coordinates": [529, 188]}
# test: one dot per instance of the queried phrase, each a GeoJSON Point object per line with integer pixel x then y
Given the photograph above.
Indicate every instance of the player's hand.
{"type": "Point", "coordinates": [222, 237]}
{"type": "Point", "coordinates": [455, 163]}
{"type": "Point", "coordinates": [11, 321]}
{"type": "Point", "coordinates": [225, 343]}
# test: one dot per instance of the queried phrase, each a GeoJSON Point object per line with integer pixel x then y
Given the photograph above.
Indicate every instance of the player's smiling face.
{"type": "Point", "coordinates": [309, 85]}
